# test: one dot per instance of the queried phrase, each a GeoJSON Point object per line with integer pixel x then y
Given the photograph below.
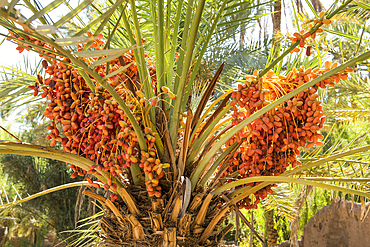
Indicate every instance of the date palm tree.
{"type": "Point", "coordinates": [119, 90]}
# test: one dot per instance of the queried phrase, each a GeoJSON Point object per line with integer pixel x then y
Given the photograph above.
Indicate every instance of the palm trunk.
{"type": "Point", "coordinates": [294, 227]}
{"type": "Point", "coordinates": [276, 17]}
{"type": "Point", "coordinates": [271, 232]}
{"type": "Point", "coordinates": [317, 5]}
{"type": "Point", "coordinates": [251, 236]}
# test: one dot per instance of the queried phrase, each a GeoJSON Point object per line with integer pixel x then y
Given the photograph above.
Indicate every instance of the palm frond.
{"type": "Point", "coordinates": [281, 201]}
{"type": "Point", "coordinates": [14, 91]}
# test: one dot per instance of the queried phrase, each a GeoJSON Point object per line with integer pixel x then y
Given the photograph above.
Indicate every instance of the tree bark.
{"type": "Point", "coordinates": [276, 18]}
{"type": "Point", "coordinates": [299, 6]}
{"type": "Point", "coordinates": [317, 5]}
{"type": "Point", "coordinates": [251, 236]}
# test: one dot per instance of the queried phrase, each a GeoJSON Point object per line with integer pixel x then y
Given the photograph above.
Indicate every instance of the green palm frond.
{"type": "Point", "coordinates": [85, 233]}
{"type": "Point", "coordinates": [348, 114]}
{"type": "Point", "coordinates": [355, 86]}
{"type": "Point", "coordinates": [350, 98]}
{"type": "Point", "coordinates": [349, 37]}
{"type": "Point", "coordinates": [281, 201]}
{"type": "Point", "coordinates": [351, 167]}
{"type": "Point", "coordinates": [21, 200]}
{"type": "Point", "coordinates": [14, 91]}
{"type": "Point", "coordinates": [356, 10]}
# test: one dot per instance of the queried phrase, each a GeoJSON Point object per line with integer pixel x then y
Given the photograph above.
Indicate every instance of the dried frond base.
{"type": "Point", "coordinates": [159, 230]}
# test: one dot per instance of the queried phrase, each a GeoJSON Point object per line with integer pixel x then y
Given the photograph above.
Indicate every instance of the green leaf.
{"type": "Point", "coordinates": [312, 8]}
{"type": "Point", "coordinates": [100, 53]}
{"type": "Point", "coordinates": [11, 5]}
{"type": "Point", "coordinates": [20, 31]}
{"type": "Point", "coordinates": [98, 31]}
{"type": "Point", "coordinates": [104, 60]}
{"type": "Point", "coordinates": [200, 56]}
{"type": "Point", "coordinates": [122, 69]}
{"type": "Point", "coordinates": [99, 19]}
{"type": "Point", "coordinates": [336, 179]}
{"type": "Point", "coordinates": [224, 97]}
{"type": "Point", "coordinates": [44, 11]}
{"type": "Point", "coordinates": [87, 79]}
{"type": "Point", "coordinates": [111, 34]}
{"type": "Point", "coordinates": [174, 40]}
{"type": "Point", "coordinates": [73, 13]}
{"type": "Point", "coordinates": [198, 143]}
{"type": "Point", "coordinates": [213, 168]}
{"type": "Point", "coordinates": [45, 192]}
{"type": "Point", "coordinates": [46, 29]}
{"type": "Point", "coordinates": [184, 70]}
{"type": "Point", "coordinates": [74, 40]}
{"type": "Point", "coordinates": [34, 10]}
{"type": "Point", "coordinates": [140, 60]}
{"type": "Point", "coordinates": [326, 159]}
{"type": "Point", "coordinates": [362, 5]}
{"type": "Point", "coordinates": [281, 179]}
{"type": "Point", "coordinates": [346, 35]}
{"type": "Point", "coordinates": [17, 148]}
{"type": "Point", "coordinates": [206, 95]}
{"type": "Point", "coordinates": [161, 40]}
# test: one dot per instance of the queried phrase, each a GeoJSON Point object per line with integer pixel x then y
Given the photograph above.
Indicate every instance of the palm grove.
{"type": "Point", "coordinates": [128, 110]}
